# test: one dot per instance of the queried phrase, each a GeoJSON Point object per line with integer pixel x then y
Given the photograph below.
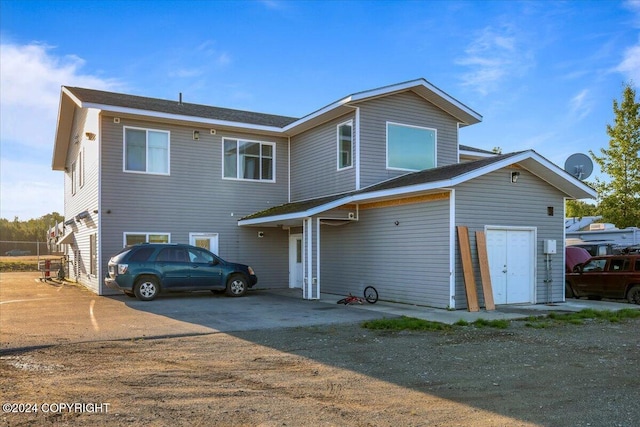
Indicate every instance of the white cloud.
{"type": "Point", "coordinates": [31, 76]}
{"type": "Point", "coordinates": [492, 57]}
{"type": "Point", "coordinates": [630, 65]}
{"type": "Point", "coordinates": [581, 104]}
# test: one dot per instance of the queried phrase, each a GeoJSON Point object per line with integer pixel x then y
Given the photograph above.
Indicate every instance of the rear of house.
{"type": "Point", "coordinates": [365, 191]}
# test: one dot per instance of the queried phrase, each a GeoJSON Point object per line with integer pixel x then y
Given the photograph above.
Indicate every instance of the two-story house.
{"type": "Point", "coordinates": [365, 191]}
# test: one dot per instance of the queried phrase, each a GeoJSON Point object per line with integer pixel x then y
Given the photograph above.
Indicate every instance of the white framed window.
{"type": "Point", "coordinates": [81, 168]}
{"type": "Point", "coordinates": [248, 160]}
{"type": "Point", "coordinates": [133, 238]}
{"type": "Point", "coordinates": [93, 254]}
{"type": "Point", "coordinates": [345, 145]}
{"type": "Point", "coordinates": [410, 148]}
{"type": "Point", "coordinates": [146, 151]}
{"type": "Point", "coordinates": [74, 178]}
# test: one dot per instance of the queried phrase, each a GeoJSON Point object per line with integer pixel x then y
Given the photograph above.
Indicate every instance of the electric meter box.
{"type": "Point", "coordinates": [550, 247]}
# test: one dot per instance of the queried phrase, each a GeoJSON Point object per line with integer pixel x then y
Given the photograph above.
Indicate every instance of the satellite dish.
{"type": "Point", "coordinates": [579, 165]}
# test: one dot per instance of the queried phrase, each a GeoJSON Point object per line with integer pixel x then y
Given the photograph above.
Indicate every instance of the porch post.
{"type": "Point", "coordinates": [307, 236]}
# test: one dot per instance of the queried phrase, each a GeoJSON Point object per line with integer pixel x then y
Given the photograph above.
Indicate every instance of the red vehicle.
{"type": "Point", "coordinates": [611, 276]}
{"type": "Point", "coordinates": [575, 255]}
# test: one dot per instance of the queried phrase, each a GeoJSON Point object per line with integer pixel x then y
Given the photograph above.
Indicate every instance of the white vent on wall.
{"type": "Point", "coordinates": [212, 131]}
{"type": "Point", "coordinates": [116, 120]}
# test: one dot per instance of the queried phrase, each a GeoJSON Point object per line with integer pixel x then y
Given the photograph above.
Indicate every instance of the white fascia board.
{"type": "Point", "coordinates": [413, 83]}
{"type": "Point", "coordinates": [317, 113]}
{"type": "Point", "coordinates": [374, 93]}
{"type": "Point", "coordinates": [561, 173]}
{"type": "Point", "coordinates": [298, 215]}
{"type": "Point", "coordinates": [179, 117]}
{"type": "Point", "coordinates": [72, 96]}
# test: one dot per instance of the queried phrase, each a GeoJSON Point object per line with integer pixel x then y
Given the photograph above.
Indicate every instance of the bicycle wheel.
{"type": "Point", "coordinates": [370, 294]}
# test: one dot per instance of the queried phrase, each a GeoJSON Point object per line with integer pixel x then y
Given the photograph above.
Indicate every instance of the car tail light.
{"type": "Point", "coordinates": [122, 268]}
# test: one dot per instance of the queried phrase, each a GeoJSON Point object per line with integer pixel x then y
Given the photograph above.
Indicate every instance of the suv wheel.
{"type": "Point", "coordinates": [633, 296]}
{"type": "Point", "coordinates": [236, 286]}
{"type": "Point", "coordinates": [146, 288]}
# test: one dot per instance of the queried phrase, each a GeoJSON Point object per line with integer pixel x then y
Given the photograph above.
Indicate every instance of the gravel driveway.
{"type": "Point", "coordinates": [331, 374]}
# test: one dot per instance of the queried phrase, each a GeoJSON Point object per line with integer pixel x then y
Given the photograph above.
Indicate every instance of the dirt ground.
{"type": "Point", "coordinates": [334, 375]}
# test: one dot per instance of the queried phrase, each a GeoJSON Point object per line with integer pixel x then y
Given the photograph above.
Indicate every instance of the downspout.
{"type": "Point", "coordinates": [452, 249]}
{"type": "Point", "coordinates": [356, 157]}
{"type": "Point", "coordinates": [289, 170]}
{"type": "Point", "coordinates": [99, 243]}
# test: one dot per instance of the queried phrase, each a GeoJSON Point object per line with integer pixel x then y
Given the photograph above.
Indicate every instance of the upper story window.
{"type": "Point", "coordinates": [410, 147]}
{"type": "Point", "coordinates": [253, 160]}
{"type": "Point", "coordinates": [345, 145]}
{"type": "Point", "coordinates": [74, 178]}
{"type": "Point", "coordinates": [146, 151]}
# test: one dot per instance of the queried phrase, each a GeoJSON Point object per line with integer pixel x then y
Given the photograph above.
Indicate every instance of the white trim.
{"type": "Point", "coordinates": [179, 117]}
{"type": "Point", "coordinates": [452, 249]}
{"type": "Point", "coordinates": [316, 295]}
{"type": "Point", "coordinates": [237, 178]}
{"type": "Point", "coordinates": [339, 143]}
{"type": "Point", "coordinates": [356, 157]}
{"type": "Point", "coordinates": [124, 150]}
{"type": "Point", "coordinates": [446, 183]}
{"type": "Point", "coordinates": [533, 268]}
{"type": "Point", "coordinates": [373, 93]}
{"type": "Point", "coordinates": [288, 169]}
{"type": "Point", "coordinates": [435, 145]}
{"type": "Point", "coordinates": [210, 235]}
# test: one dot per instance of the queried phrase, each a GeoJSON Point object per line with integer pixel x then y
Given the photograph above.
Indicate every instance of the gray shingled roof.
{"type": "Point", "coordinates": [415, 178]}
{"type": "Point", "coordinates": [174, 107]}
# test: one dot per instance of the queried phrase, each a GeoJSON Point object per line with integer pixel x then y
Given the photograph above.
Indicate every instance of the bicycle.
{"type": "Point", "coordinates": [370, 296]}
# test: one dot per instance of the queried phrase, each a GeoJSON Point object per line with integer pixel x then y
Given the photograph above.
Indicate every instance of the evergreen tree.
{"type": "Point", "coordinates": [619, 198]}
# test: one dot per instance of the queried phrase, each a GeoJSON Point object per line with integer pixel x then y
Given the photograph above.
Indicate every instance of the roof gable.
{"type": "Point", "coordinates": [429, 180]}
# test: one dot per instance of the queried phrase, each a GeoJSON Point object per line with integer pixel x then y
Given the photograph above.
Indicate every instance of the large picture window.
{"type": "Point", "coordinates": [146, 151]}
{"type": "Point", "coordinates": [410, 147]}
{"type": "Point", "coordinates": [345, 145]}
{"type": "Point", "coordinates": [248, 159]}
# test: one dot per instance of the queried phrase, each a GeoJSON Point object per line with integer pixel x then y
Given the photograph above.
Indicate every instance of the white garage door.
{"type": "Point", "coordinates": [511, 255]}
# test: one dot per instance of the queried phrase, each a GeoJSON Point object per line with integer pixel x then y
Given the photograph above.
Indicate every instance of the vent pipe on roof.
{"type": "Point", "coordinates": [180, 99]}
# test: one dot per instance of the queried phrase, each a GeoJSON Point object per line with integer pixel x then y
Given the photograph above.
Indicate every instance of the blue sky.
{"type": "Point", "coordinates": [543, 74]}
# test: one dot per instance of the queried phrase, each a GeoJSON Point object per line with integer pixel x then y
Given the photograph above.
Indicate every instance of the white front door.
{"type": "Point", "coordinates": [295, 261]}
{"type": "Point", "coordinates": [208, 241]}
{"type": "Point", "coordinates": [511, 255]}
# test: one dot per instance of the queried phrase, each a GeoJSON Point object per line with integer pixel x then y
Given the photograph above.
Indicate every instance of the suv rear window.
{"type": "Point", "coordinates": [142, 254]}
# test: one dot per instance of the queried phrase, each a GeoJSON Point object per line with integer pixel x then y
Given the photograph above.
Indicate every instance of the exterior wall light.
{"type": "Point", "coordinates": [515, 176]}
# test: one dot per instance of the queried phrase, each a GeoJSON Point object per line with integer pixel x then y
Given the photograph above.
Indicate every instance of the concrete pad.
{"type": "Point", "coordinates": [35, 313]}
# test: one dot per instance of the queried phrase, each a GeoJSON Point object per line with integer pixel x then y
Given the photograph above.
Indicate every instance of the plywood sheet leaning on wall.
{"type": "Point", "coordinates": [485, 275]}
{"type": "Point", "coordinates": [467, 268]}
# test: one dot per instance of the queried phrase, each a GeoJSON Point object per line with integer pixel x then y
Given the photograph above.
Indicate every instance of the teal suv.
{"type": "Point", "coordinates": [145, 270]}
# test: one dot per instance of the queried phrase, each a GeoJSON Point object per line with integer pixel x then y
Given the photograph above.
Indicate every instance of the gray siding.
{"type": "Point", "coordinates": [493, 200]}
{"type": "Point", "coordinates": [407, 263]}
{"type": "Point", "coordinates": [193, 198]}
{"type": "Point", "coordinates": [84, 199]}
{"type": "Point", "coordinates": [314, 163]}
{"type": "Point", "coordinates": [405, 108]}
